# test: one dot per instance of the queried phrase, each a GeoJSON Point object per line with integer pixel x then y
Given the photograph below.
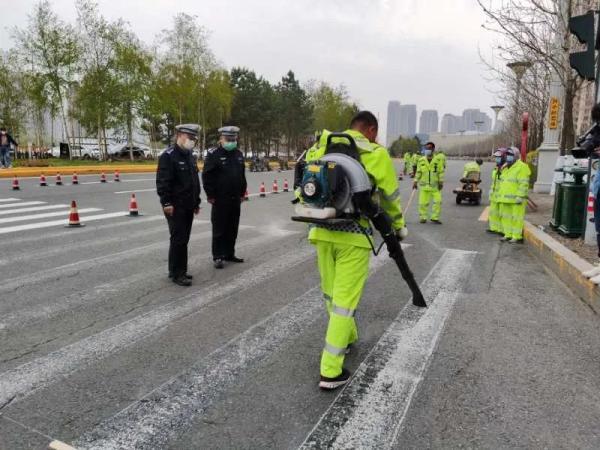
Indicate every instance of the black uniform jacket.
{"type": "Point", "coordinates": [224, 174]}
{"type": "Point", "coordinates": [177, 181]}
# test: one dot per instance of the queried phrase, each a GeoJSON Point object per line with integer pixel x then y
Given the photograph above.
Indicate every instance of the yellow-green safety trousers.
{"type": "Point", "coordinates": [430, 196]}
{"type": "Point", "coordinates": [512, 216]}
{"type": "Point", "coordinates": [344, 270]}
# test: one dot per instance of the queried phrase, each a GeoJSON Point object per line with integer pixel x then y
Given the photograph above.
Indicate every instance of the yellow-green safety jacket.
{"type": "Point", "coordinates": [442, 157]}
{"type": "Point", "coordinates": [430, 173]}
{"type": "Point", "coordinates": [495, 186]}
{"type": "Point", "coordinates": [378, 164]}
{"type": "Point", "coordinates": [514, 183]}
{"type": "Point", "coordinates": [471, 166]}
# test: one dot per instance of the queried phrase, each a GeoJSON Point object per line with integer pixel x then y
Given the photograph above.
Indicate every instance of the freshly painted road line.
{"type": "Point", "coordinates": [172, 407]}
{"type": "Point", "coordinates": [136, 191]}
{"type": "Point", "coordinates": [5, 200]}
{"type": "Point", "coordinates": [370, 411]}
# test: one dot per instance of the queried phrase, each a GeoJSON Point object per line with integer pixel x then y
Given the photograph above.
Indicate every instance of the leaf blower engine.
{"type": "Point", "coordinates": [336, 190]}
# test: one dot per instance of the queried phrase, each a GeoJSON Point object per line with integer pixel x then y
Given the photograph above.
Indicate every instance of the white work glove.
{"type": "Point", "coordinates": [402, 233]}
{"type": "Point", "coordinates": [520, 200]}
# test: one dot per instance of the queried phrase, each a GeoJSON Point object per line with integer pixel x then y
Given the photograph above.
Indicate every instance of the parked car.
{"type": "Point", "coordinates": [77, 151]}
{"type": "Point", "coordinates": [140, 151]}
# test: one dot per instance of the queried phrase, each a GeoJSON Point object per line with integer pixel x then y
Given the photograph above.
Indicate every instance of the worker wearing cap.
{"type": "Point", "coordinates": [178, 188]}
{"type": "Point", "coordinates": [224, 180]}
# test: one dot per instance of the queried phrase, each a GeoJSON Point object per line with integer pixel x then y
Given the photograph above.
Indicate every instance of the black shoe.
{"type": "Point", "coordinates": [189, 277]}
{"type": "Point", "coordinates": [234, 259]}
{"type": "Point", "coordinates": [491, 231]}
{"type": "Point", "coordinates": [329, 384]}
{"type": "Point", "coordinates": [219, 263]}
{"type": "Point", "coordinates": [436, 221]}
{"type": "Point", "coordinates": [423, 221]}
{"type": "Point", "coordinates": [182, 280]}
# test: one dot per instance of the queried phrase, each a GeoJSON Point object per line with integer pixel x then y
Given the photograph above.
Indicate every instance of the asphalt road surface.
{"type": "Point", "coordinates": [98, 349]}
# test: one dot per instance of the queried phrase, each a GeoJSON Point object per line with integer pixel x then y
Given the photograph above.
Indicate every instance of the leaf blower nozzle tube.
{"type": "Point", "coordinates": [383, 224]}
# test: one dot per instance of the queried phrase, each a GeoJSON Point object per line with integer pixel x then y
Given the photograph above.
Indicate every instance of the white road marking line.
{"type": "Point", "coordinates": [370, 411]}
{"type": "Point", "coordinates": [58, 234]}
{"type": "Point", "coordinates": [136, 191]}
{"type": "Point", "coordinates": [32, 209]}
{"type": "Point", "coordinates": [53, 223]}
{"type": "Point", "coordinates": [77, 266]}
{"type": "Point", "coordinates": [25, 379]}
{"type": "Point", "coordinates": [170, 408]}
{"type": "Point", "coordinates": [92, 182]}
{"type": "Point", "coordinates": [30, 313]}
{"type": "Point", "coordinates": [4, 200]}
{"type": "Point", "coordinates": [44, 215]}
{"type": "Point", "coordinates": [16, 205]}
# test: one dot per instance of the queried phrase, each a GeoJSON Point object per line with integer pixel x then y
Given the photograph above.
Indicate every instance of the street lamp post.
{"type": "Point", "coordinates": [497, 110]}
{"type": "Point", "coordinates": [519, 68]}
{"type": "Point", "coordinates": [478, 124]}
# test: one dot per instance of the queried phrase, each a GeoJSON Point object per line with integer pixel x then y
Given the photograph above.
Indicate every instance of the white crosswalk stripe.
{"type": "Point", "coordinates": [15, 208]}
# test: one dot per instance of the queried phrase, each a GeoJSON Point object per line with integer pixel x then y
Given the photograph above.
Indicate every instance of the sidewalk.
{"type": "Point", "coordinates": [567, 258]}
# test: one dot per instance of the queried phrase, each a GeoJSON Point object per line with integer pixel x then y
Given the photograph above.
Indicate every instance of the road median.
{"type": "Point", "coordinates": [79, 170]}
{"type": "Point", "coordinates": [566, 264]}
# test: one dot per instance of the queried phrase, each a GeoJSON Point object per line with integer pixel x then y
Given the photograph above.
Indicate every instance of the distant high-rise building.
{"type": "Point", "coordinates": [408, 120]}
{"type": "Point", "coordinates": [393, 122]}
{"type": "Point", "coordinates": [428, 123]}
{"type": "Point", "coordinates": [452, 124]}
{"type": "Point", "coordinates": [472, 116]}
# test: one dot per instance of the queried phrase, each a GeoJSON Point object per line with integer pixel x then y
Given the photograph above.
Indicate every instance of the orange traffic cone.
{"type": "Point", "coordinates": [275, 187]}
{"type": "Point", "coordinates": [263, 191]}
{"type": "Point", "coordinates": [246, 196]}
{"type": "Point", "coordinates": [74, 179]}
{"type": "Point", "coordinates": [15, 184]}
{"type": "Point", "coordinates": [103, 178]}
{"type": "Point", "coordinates": [117, 176]}
{"type": "Point", "coordinates": [133, 207]}
{"type": "Point", "coordinates": [73, 216]}
{"type": "Point", "coordinates": [58, 179]}
{"type": "Point", "coordinates": [43, 180]}
{"type": "Point", "coordinates": [286, 186]}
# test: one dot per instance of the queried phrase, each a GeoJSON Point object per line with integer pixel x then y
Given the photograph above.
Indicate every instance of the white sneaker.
{"type": "Point", "coordinates": [592, 273]}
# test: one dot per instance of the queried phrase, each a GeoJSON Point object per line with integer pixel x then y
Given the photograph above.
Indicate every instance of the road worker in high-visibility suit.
{"type": "Point", "coordinates": [429, 179]}
{"type": "Point", "coordinates": [343, 251]}
{"type": "Point", "coordinates": [441, 156]}
{"type": "Point", "coordinates": [472, 167]}
{"type": "Point", "coordinates": [494, 218]}
{"type": "Point", "coordinates": [408, 163]}
{"type": "Point", "coordinates": [512, 196]}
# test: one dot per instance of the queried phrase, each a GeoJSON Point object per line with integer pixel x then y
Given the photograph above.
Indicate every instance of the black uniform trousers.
{"type": "Point", "coordinates": [225, 218]}
{"type": "Point", "coordinates": [180, 228]}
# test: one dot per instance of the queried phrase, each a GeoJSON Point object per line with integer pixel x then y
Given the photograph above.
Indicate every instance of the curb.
{"type": "Point", "coordinates": [567, 265]}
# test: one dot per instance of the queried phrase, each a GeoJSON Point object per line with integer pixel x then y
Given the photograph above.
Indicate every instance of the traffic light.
{"type": "Point", "coordinates": [584, 62]}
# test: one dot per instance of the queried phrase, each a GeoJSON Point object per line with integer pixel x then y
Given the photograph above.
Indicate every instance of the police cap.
{"type": "Point", "coordinates": [188, 128]}
{"type": "Point", "coordinates": [230, 131]}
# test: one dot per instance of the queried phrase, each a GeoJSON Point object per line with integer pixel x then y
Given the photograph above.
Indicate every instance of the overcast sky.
{"type": "Point", "coordinates": [415, 51]}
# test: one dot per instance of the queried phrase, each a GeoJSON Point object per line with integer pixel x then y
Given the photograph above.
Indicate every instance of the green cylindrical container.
{"type": "Point", "coordinates": [571, 211]}
{"type": "Point", "coordinates": [555, 220]}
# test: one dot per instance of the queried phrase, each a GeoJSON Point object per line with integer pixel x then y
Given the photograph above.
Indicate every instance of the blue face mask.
{"type": "Point", "coordinates": [510, 159]}
{"type": "Point", "coordinates": [498, 160]}
{"type": "Point", "coordinates": [426, 152]}
{"type": "Point", "coordinates": [230, 145]}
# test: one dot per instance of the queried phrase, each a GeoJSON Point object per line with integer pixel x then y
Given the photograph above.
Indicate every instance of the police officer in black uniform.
{"type": "Point", "coordinates": [224, 181]}
{"type": "Point", "coordinates": [178, 186]}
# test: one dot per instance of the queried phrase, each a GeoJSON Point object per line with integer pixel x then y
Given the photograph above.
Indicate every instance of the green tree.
{"type": "Point", "coordinates": [294, 111]}
{"type": "Point", "coordinates": [133, 75]}
{"type": "Point", "coordinates": [12, 106]}
{"type": "Point", "coordinates": [332, 109]}
{"type": "Point", "coordinates": [50, 47]}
